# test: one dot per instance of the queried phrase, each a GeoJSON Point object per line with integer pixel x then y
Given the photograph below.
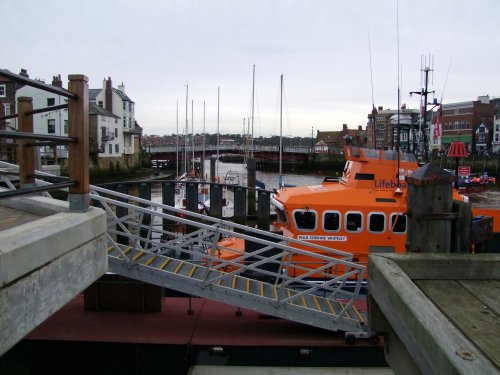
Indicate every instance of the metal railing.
{"type": "Point", "coordinates": [77, 140]}
{"type": "Point", "coordinates": [213, 258]}
{"type": "Point", "coordinates": [136, 232]}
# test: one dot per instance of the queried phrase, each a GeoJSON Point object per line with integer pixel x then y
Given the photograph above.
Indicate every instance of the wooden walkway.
{"type": "Point", "coordinates": [443, 308]}
{"type": "Point", "coordinates": [10, 217]}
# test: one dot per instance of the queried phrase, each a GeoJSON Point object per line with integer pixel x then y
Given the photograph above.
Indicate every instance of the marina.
{"type": "Point", "coordinates": [233, 251]}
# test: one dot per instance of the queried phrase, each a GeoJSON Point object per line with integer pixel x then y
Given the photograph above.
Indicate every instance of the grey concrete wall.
{"type": "Point", "coordinates": [44, 264]}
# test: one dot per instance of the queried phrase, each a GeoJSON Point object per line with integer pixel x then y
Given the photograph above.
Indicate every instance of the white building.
{"type": "Point", "coordinates": [48, 123]}
{"type": "Point", "coordinates": [105, 132]}
{"type": "Point", "coordinates": [116, 102]}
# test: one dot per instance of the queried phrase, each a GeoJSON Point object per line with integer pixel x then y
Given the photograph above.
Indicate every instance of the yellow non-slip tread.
{"type": "Point", "coordinates": [346, 313]}
{"type": "Point", "coordinates": [111, 248]}
{"type": "Point", "coordinates": [191, 271]}
{"type": "Point", "coordinates": [358, 314]}
{"type": "Point", "coordinates": [332, 310]}
{"type": "Point", "coordinates": [178, 267]}
{"type": "Point", "coordinates": [164, 263]}
{"type": "Point", "coordinates": [304, 303]}
{"type": "Point", "coordinates": [138, 255]}
{"type": "Point", "coordinates": [316, 303]}
{"type": "Point", "coordinates": [150, 260]}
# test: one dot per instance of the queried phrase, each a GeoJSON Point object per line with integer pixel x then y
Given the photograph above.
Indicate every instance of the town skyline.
{"type": "Point", "coordinates": [338, 59]}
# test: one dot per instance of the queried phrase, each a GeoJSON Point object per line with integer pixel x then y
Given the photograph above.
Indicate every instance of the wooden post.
{"type": "Point", "coordinates": [430, 214]}
{"type": "Point", "coordinates": [78, 121]}
{"type": "Point", "coordinates": [240, 205]}
{"type": "Point", "coordinates": [213, 160]}
{"type": "Point", "coordinates": [251, 170]}
{"type": "Point", "coordinates": [215, 200]}
{"type": "Point", "coordinates": [26, 154]}
{"type": "Point", "coordinates": [263, 210]}
{"type": "Point", "coordinates": [168, 198]}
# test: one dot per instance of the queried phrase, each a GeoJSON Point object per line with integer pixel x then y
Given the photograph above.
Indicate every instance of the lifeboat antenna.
{"type": "Point", "coordinates": [374, 111]}
{"type": "Point", "coordinates": [399, 97]}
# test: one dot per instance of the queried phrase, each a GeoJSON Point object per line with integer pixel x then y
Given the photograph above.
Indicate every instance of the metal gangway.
{"type": "Point", "coordinates": [193, 253]}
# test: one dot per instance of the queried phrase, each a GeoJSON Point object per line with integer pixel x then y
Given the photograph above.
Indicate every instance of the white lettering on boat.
{"type": "Point", "coordinates": [305, 237]}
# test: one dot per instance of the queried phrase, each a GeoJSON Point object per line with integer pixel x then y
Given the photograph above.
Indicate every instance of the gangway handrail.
{"type": "Point", "coordinates": [194, 215]}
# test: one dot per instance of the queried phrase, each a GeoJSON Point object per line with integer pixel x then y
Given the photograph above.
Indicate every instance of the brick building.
{"type": "Point", "coordinates": [335, 140]}
{"type": "Point", "coordinates": [470, 122]}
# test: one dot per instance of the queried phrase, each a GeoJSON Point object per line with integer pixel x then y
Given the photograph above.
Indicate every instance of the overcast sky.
{"type": "Point", "coordinates": [156, 48]}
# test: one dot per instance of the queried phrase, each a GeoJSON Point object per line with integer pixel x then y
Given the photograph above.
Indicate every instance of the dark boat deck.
{"type": "Point", "coordinates": [211, 323]}
{"type": "Point", "coordinates": [173, 341]}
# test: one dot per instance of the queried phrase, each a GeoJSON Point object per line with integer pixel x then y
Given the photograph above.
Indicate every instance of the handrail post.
{"type": "Point", "coordinates": [78, 120]}
{"type": "Point", "coordinates": [26, 154]}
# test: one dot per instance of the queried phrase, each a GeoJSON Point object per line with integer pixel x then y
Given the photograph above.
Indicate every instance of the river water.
{"type": "Point", "coordinates": [490, 197]}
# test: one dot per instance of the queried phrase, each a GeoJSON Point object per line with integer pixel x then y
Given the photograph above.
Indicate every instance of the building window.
{"type": "Point", "coordinates": [100, 103]}
{"type": "Point", "coordinates": [116, 132]}
{"type": "Point", "coordinates": [3, 93]}
{"type": "Point", "coordinates": [51, 102]}
{"type": "Point", "coordinates": [117, 149]}
{"type": "Point", "coordinates": [7, 108]}
{"type": "Point", "coordinates": [124, 106]}
{"type": "Point", "coordinates": [110, 148]}
{"type": "Point", "coordinates": [51, 126]}
{"type": "Point", "coordinates": [65, 126]}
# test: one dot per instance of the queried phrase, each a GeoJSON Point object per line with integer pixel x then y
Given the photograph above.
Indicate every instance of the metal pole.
{"type": "Point", "coordinates": [218, 132]}
{"type": "Point", "coordinates": [177, 143]}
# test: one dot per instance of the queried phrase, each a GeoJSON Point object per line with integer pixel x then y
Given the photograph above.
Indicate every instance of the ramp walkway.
{"type": "Point", "coordinates": [181, 250]}
{"type": "Point", "coordinates": [192, 253]}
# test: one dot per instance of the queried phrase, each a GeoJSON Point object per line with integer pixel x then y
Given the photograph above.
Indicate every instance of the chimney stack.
{"type": "Point", "coordinates": [24, 73]}
{"type": "Point", "coordinates": [108, 95]}
{"type": "Point", "coordinates": [344, 126]}
{"type": "Point", "coordinates": [121, 88]}
{"type": "Point", "coordinates": [56, 81]}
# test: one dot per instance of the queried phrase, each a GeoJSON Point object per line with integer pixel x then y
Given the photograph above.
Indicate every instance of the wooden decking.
{"type": "Point", "coordinates": [10, 217]}
{"type": "Point", "coordinates": [444, 309]}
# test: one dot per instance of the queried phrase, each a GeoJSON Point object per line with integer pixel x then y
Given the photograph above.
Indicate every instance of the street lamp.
{"type": "Point", "coordinates": [312, 139]}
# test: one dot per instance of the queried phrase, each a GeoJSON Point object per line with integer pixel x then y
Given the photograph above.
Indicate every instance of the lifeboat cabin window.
{"type": "Point", "coordinates": [398, 223]}
{"type": "Point", "coordinates": [376, 222]}
{"type": "Point", "coordinates": [305, 219]}
{"type": "Point", "coordinates": [353, 222]}
{"type": "Point", "coordinates": [281, 216]}
{"type": "Point", "coordinates": [331, 221]}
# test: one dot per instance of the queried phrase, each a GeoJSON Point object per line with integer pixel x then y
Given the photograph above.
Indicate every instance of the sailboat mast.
{"type": "Point", "coordinates": [253, 103]}
{"type": "Point", "coordinates": [192, 132]}
{"type": "Point", "coordinates": [186, 133]}
{"type": "Point", "coordinates": [281, 127]}
{"type": "Point", "coordinates": [204, 139]}
{"type": "Point", "coordinates": [177, 142]}
{"type": "Point", "coordinates": [218, 132]}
